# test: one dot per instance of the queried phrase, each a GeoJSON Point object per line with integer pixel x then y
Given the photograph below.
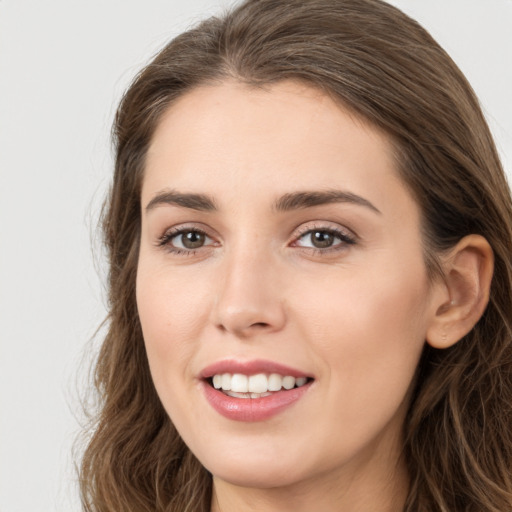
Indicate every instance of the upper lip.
{"type": "Point", "coordinates": [250, 368]}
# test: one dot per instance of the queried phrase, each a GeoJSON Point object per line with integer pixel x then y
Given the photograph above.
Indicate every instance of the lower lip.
{"type": "Point", "coordinates": [252, 409]}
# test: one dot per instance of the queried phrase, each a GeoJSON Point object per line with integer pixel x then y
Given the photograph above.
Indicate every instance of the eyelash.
{"type": "Point", "coordinates": [346, 239]}
{"type": "Point", "coordinates": [165, 241]}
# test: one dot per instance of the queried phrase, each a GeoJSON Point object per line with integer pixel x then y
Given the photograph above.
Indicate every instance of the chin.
{"type": "Point", "coordinates": [246, 469]}
{"type": "Point", "coordinates": [252, 476]}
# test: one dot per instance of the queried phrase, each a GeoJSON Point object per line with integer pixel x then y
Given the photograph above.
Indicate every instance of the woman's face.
{"type": "Point", "coordinates": [278, 241]}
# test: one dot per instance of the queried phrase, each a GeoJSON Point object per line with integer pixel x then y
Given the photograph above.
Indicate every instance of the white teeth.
{"type": "Point", "coordinates": [288, 382]}
{"type": "Point", "coordinates": [226, 382]}
{"type": "Point", "coordinates": [275, 382]}
{"type": "Point", "coordinates": [239, 383]}
{"type": "Point", "coordinates": [258, 383]}
{"type": "Point", "coordinates": [300, 381]}
{"type": "Point", "coordinates": [255, 386]}
{"type": "Point", "coordinates": [234, 394]}
{"type": "Point", "coordinates": [217, 381]}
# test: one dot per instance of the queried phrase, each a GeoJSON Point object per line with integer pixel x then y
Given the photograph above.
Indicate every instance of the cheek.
{"type": "Point", "coordinates": [172, 313]}
{"type": "Point", "coordinates": [369, 332]}
{"type": "Point", "coordinates": [369, 304]}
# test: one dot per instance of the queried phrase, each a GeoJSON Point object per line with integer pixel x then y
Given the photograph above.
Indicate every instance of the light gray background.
{"type": "Point", "coordinates": [63, 67]}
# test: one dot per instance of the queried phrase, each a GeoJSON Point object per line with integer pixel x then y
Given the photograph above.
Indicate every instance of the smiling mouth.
{"type": "Point", "coordinates": [260, 385]}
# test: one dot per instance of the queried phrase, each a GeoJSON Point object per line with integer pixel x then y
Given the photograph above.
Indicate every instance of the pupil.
{"type": "Point", "coordinates": [322, 239]}
{"type": "Point", "coordinates": [193, 240]}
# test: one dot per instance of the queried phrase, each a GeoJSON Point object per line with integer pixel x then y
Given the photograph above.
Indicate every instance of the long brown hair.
{"type": "Point", "coordinates": [387, 69]}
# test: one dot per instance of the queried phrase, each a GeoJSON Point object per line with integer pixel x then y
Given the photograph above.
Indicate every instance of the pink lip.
{"type": "Point", "coordinates": [250, 368]}
{"type": "Point", "coordinates": [251, 409]}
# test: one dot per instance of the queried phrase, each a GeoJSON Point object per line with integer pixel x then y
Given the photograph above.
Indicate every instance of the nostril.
{"type": "Point", "coordinates": [259, 324]}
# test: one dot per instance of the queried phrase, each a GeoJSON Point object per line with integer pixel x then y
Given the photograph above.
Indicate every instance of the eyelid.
{"type": "Point", "coordinates": [320, 225]}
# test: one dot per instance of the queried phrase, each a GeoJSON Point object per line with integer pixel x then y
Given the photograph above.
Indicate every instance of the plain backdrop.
{"type": "Point", "coordinates": [63, 66]}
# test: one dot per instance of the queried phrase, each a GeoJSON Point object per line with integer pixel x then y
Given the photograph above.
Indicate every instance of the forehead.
{"type": "Point", "coordinates": [231, 138]}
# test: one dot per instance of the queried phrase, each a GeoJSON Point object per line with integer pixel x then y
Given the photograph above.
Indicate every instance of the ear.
{"type": "Point", "coordinates": [462, 296]}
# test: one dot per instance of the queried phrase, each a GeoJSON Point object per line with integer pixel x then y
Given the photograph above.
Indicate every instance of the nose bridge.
{"type": "Point", "coordinates": [249, 299]}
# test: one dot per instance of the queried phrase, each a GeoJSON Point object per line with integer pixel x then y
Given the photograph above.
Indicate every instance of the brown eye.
{"type": "Point", "coordinates": [185, 240]}
{"type": "Point", "coordinates": [192, 239]}
{"type": "Point", "coordinates": [325, 239]}
{"type": "Point", "coordinates": [322, 239]}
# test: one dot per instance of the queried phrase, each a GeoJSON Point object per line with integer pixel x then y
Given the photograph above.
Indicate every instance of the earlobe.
{"type": "Point", "coordinates": [464, 291]}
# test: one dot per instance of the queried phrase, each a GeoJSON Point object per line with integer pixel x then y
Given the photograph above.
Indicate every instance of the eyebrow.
{"type": "Point", "coordinates": [307, 199]}
{"type": "Point", "coordinates": [199, 202]}
{"type": "Point", "coordinates": [287, 202]}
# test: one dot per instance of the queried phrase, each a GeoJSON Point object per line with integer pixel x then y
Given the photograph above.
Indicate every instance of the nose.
{"type": "Point", "coordinates": [250, 301]}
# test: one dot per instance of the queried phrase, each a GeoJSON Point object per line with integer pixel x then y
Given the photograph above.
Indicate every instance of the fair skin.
{"type": "Point", "coordinates": [336, 290]}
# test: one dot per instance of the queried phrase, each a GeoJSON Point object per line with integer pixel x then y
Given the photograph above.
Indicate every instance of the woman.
{"type": "Point", "coordinates": [309, 234]}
